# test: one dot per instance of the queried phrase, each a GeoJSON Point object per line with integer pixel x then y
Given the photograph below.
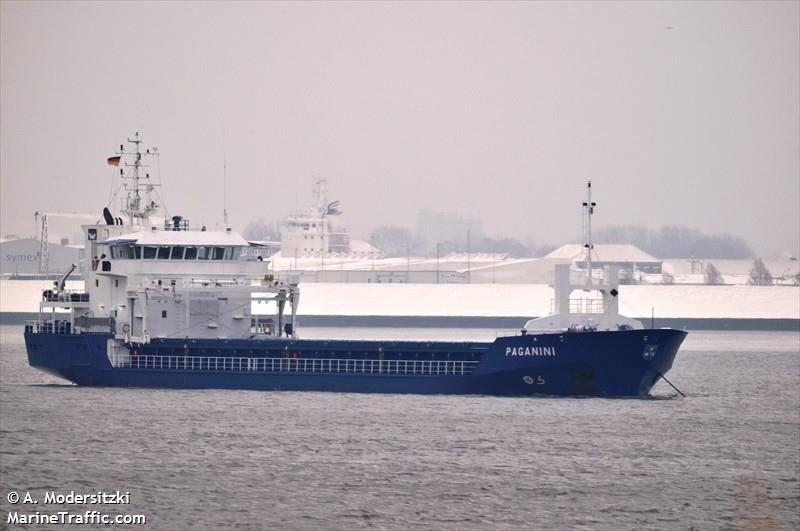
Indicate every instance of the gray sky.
{"type": "Point", "coordinates": [681, 113]}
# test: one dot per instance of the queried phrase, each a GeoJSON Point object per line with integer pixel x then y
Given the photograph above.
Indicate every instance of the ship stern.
{"type": "Point", "coordinates": [63, 353]}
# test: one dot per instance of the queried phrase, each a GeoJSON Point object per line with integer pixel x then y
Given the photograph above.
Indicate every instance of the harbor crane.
{"type": "Point", "coordinates": [44, 251]}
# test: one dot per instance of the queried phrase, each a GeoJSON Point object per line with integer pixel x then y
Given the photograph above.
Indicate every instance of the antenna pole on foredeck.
{"type": "Point", "coordinates": [588, 210]}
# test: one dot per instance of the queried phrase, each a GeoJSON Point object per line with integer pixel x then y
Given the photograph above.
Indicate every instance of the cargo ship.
{"type": "Point", "coordinates": [166, 305]}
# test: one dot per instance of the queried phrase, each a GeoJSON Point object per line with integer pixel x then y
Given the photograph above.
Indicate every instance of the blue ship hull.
{"type": "Point", "coordinates": [618, 363]}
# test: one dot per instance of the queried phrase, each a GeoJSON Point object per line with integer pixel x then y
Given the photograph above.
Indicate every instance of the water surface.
{"type": "Point", "coordinates": [725, 457]}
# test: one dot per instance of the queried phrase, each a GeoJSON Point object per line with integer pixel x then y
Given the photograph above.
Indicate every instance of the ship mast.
{"type": "Point", "coordinates": [588, 210]}
{"type": "Point", "coordinates": [138, 204]}
{"type": "Point", "coordinates": [320, 194]}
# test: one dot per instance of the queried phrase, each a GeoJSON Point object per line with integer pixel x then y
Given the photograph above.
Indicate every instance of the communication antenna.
{"type": "Point", "coordinates": [224, 181]}
{"type": "Point", "coordinates": [588, 210]}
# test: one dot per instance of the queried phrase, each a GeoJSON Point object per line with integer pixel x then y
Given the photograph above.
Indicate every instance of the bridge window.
{"type": "Point", "coordinates": [203, 253]}
{"type": "Point", "coordinates": [177, 252]}
{"type": "Point", "coordinates": [163, 252]}
{"type": "Point", "coordinates": [236, 252]}
{"type": "Point", "coordinates": [219, 253]}
{"type": "Point", "coordinates": [137, 251]}
{"type": "Point", "coordinates": [150, 252]}
{"type": "Point", "coordinates": [191, 253]}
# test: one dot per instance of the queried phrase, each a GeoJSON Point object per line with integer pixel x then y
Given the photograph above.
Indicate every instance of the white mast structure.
{"type": "Point", "coordinates": [588, 210]}
{"type": "Point", "coordinates": [319, 192]}
{"type": "Point", "coordinates": [138, 204]}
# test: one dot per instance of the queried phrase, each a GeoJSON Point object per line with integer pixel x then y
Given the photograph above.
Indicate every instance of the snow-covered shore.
{"type": "Point", "coordinates": [495, 300]}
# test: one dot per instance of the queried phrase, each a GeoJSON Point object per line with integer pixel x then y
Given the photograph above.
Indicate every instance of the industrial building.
{"type": "Point", "coordinates": [28, 257]}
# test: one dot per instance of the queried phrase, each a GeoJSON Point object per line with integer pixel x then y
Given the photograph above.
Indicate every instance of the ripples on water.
{"type": "Point", "coordinates": [728, 456]}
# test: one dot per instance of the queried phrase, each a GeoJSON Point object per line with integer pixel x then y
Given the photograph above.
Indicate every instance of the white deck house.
{"type": "Point", "coordinates": [316, 230]}
{"type": "Point", "coordinates": [628, 258]}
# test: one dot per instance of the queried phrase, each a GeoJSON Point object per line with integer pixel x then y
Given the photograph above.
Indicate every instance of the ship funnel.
{"type": "Point", "coordinates": [107, 216]}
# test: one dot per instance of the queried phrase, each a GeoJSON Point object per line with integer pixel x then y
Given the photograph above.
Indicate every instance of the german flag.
{"type": "Point", "coordinates": [113, 161]}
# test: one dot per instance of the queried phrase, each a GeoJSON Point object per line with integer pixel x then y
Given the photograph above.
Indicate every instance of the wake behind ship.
{"type": "Point", "coordinates": [170, 307]}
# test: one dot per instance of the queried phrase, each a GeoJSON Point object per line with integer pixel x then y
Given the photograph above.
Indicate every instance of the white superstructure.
{"type": "Point", "coordinates": [316, 230]}
{"type": "Point", "coordinates": [146, 277]}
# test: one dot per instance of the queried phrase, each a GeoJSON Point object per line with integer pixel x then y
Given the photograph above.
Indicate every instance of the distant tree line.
{"type": "Point", "coordinates": [399, 241]}
{"type": "Point", "coordinates": [262, 230]}
{"type": "Point", "coordinates": [394, 241]}
{"type": "Point", "coordinates": [760, 275]}
{"type": "Point", "coordinates": [712, 275]}
{"type": "Point", "coordinates": [676, 242]}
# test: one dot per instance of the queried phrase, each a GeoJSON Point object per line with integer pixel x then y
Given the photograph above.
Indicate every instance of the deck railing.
{"type": "Point", "coordinates": [299, 365]}
{"type": "Point", "coordinates": [67, 295]}
{"type": "Point", "coordinates": [50, 327]}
